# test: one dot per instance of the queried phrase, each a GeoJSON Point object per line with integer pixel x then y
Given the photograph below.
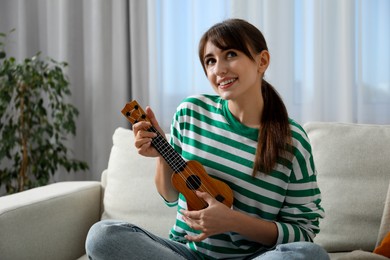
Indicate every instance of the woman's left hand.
{"type": "Point", "coordinates": [210, 221]}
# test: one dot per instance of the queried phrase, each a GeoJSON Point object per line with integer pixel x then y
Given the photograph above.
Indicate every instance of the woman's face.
{"type": "Point", "coordinates": [232, 74]}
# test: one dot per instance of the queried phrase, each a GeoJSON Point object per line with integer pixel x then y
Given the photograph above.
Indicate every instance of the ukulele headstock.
{"type": "Point", "coordinates": [134, 112]}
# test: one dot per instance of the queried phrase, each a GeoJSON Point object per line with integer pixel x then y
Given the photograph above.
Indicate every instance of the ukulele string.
{"type": "Point", "coordinates": [171, 162]}
{"type": "Point", "coordinates": [178, 167]}
{"type": "Point", "coordinates": [188, 171]}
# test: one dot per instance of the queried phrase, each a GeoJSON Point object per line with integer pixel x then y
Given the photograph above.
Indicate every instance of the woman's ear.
{"type": "Point", "coordinates": [263, 59]}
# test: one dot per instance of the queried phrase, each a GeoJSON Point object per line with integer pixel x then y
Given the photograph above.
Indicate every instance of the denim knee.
{"type": "Point", "coordinates": [296, 250]}
{"type": "Point", "coordinates": [99, 235]}
{"type": "Point", "coordinates": [304, 250]}
{"type": "Point", "coordinates": [94, 237]}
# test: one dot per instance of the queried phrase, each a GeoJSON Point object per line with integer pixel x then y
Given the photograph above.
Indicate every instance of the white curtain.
{"type": "Point", "coordinates": [329, 58]}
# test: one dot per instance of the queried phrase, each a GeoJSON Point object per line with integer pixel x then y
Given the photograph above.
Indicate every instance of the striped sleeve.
{"type": "Point", "coordinates": [298, 219]}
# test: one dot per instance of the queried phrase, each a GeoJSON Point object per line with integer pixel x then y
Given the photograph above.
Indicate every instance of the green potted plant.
{"type": "Point", "coordinates": [36, 121]}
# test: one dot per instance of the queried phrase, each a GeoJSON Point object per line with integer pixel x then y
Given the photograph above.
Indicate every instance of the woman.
{"type": "Point", "coordinates": [242, 136]}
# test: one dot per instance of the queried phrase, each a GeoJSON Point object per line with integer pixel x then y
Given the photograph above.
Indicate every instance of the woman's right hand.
{"type": "Point", "coordinates": [143, 138]}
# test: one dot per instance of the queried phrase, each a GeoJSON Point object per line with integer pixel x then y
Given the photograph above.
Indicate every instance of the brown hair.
{"type": "Point", "coordinates": [275, 134]}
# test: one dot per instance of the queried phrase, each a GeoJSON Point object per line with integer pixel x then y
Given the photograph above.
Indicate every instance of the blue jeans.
{"type": "Point", "coordinates": [109, 239]}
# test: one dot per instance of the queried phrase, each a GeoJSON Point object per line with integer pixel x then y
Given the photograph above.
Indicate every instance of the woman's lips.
{"type": "Point", "coordinates": [226, 83]}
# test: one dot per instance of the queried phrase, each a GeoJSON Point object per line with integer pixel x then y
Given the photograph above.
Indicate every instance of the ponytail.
{"type": "Point", "coordinates": [275, 134]}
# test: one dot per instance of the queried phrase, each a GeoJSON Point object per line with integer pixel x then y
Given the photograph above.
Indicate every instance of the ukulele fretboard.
{"type": "Point", "coordinates": [173, 158]}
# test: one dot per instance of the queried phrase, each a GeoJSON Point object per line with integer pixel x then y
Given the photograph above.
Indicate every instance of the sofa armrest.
{"type": "Point", "coordinates": [49, 222]}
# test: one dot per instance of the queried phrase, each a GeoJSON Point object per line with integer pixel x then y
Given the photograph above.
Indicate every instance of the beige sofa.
{"type": "Point", "coordinates": [353, 165]}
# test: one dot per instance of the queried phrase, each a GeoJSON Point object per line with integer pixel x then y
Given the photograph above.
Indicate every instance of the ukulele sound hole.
{"type": "Point", "coordinates": [193, 182]}
{"type": "Point", "coordinates": [220, 198]}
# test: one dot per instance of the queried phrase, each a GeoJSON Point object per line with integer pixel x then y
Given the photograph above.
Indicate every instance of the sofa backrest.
{"type": "Point", "coordinates": [353, 167]}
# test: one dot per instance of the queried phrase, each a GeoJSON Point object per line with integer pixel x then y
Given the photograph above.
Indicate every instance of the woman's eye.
{"type": "Point", "coordinates": [231, 54]}
{"type": "Point", "coordinates": [209, 62]}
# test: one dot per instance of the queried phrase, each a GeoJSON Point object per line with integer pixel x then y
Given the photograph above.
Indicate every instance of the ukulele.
{"type": "Point", "coordinates": [188, 176]}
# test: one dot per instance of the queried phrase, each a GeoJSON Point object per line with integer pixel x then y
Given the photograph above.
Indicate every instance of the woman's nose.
{"type": "Point", "coordinates": [220, 68]}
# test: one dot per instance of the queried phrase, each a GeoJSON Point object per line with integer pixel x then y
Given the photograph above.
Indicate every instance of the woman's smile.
{"type": "Point", "coordinates": [226, 83]}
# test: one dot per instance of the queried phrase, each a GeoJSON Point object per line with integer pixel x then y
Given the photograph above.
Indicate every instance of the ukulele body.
{"type": "Point", "coordinates": [195, 178]}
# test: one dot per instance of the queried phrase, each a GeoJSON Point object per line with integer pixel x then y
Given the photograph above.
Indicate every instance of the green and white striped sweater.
{"type": "Point", "coordinates": [203, 129]}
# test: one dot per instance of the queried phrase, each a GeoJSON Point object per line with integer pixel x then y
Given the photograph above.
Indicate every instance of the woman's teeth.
{"type": "Point", "coordinates": [223, 83]}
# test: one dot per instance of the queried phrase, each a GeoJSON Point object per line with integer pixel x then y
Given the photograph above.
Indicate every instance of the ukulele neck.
{"type": "Point", "coordinates": [173, 158]}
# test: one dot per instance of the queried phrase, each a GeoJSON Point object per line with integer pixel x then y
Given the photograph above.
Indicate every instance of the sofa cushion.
{"type": "Point", "coordinates": [130, 193]}
{"type": "Point", "coordinates": [353, 166]}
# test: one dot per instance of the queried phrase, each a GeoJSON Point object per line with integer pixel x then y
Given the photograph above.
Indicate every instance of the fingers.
{"type": "Point", "coordinates": [193, 224]}
{"type": "Point", "coordinates": [197, 214]}
{"type": "Point", "coordinates": [143, 125]}
{"type": "Point", "coordinates": [150, 114]}
{"type": "Point", "coordinates": [191, 214]}
{"type": "Point", "coordinates": [205, 196]}
{"type": "Point", "coordinates": [143, 139]}
{"type": "Point", "coordinates": [208, 221]}
{"type": "Point", "coordinates": [194, 220]}
{"type": "Point", "coordinates": [140, 130]}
